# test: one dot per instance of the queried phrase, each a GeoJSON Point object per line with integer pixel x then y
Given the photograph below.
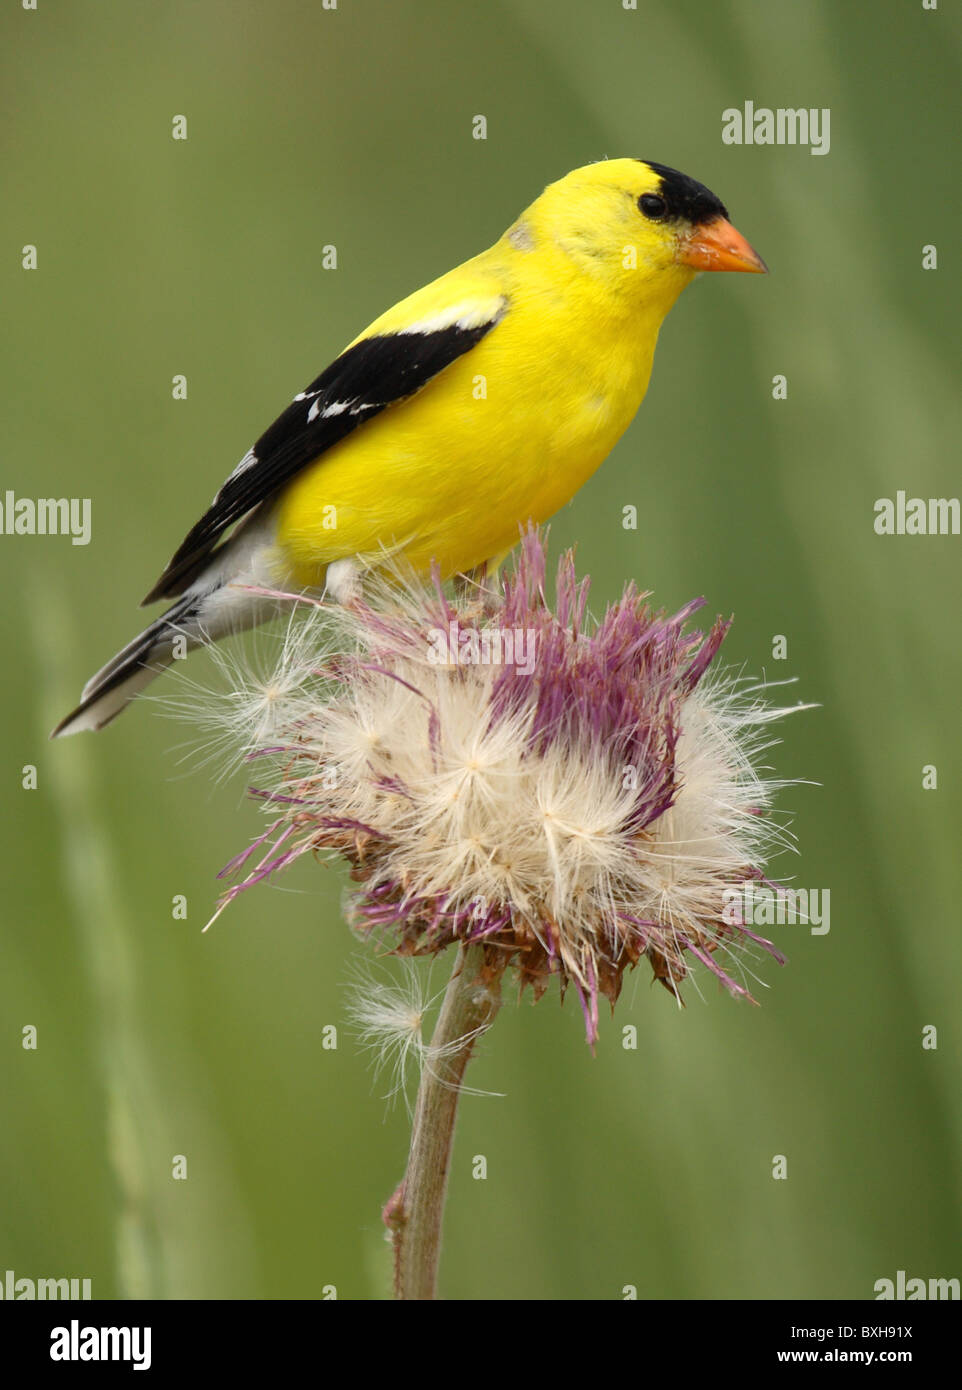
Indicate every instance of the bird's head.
{"type": "Point", "coordinates": [644, 229]}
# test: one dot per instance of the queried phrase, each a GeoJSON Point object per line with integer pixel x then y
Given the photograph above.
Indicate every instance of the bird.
{"type": "Point", "coordinates": [474, 407]}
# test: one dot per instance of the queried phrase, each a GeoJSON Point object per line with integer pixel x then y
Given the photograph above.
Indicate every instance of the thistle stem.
{"type": "Point", "coordinates": [414, 1214]}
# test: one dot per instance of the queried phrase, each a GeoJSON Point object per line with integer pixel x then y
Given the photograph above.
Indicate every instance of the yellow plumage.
{"type": "Point", "coordinates": [511, 430]}
{"type": "Point", "coordinates": [478, 404]}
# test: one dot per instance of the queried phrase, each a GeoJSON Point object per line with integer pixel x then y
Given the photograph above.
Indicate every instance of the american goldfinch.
{"type": "Point", "coordinates": [478, 404]}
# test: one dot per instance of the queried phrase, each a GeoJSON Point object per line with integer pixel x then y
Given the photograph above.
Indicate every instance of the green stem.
{"type": "Point", "coordinates": [415, 1212]}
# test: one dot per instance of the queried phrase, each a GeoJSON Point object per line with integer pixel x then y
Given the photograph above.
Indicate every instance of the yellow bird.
{"type": "Point", "coordinates": [481, 402]}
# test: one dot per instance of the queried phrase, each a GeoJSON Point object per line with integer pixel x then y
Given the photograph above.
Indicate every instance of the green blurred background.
{"type": "Point", "coordinates": [306, 126]}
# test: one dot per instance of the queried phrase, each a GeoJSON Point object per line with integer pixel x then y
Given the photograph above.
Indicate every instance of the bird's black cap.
{"type": "Point", "coordinates": [687, 199]}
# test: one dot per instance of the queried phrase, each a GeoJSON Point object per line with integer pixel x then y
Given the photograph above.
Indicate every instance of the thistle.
{"type": "Point", "coordinates": [540, 792]}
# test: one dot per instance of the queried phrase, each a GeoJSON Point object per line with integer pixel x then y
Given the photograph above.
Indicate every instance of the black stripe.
{"type": "Point", "coordinates": [687, 199]}
{"type": "Point", "coordinates": [135, 656]}
{"type": "Point", "coordinates": [371, 375]}
{"type": "Point", "coordinates": [139, 652]}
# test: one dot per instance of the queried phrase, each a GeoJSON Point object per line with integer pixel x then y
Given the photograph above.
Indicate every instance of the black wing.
{"type": "Point", "coordinates": [363, 381]}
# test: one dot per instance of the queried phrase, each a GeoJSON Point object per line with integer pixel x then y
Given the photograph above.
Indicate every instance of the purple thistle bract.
{"type": "Point", "coordinates": [500, 770]}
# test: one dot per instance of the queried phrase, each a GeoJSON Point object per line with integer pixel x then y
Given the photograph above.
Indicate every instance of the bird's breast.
{"type": "Point", "coordinates": [505, 435]}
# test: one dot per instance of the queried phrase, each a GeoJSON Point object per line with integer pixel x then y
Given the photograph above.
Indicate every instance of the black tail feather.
{"type": "Point", "coordinates": [126, 674]}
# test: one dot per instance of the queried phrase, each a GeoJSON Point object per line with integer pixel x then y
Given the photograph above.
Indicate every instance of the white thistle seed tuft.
{"type": "Point", "coordinates": [571, 811]}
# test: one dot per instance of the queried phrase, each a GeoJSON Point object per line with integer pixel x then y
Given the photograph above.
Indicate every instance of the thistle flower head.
{"type": "Point", "coordinates": [498, 769]}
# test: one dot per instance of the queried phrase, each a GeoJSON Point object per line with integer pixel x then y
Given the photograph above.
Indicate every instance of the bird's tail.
{"type": "Point", "coordinates": [113, 687]}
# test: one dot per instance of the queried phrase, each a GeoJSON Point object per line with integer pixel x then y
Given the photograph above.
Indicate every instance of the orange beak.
{"type": "Point", "coordinates": [717, 246]}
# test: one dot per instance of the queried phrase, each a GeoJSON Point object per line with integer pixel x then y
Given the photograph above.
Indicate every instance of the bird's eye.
{"type": "Point", "coordinates": [653, 206]}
